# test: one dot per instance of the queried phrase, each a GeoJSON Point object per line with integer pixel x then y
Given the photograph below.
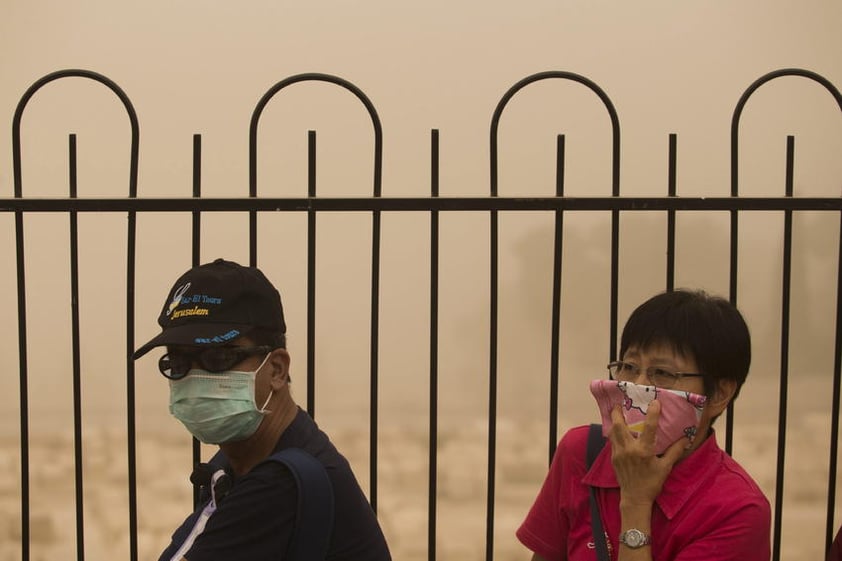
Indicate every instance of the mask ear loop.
{"type": "Point", "coordinates": [265, 403]}
{"type": "Point", "coordinates": [263, 409]}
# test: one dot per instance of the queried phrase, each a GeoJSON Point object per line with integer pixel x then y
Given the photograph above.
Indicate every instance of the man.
{"type": "Point", "coordinates": [669, 501]}
{"type": "Point", "coordinates": [229, 375]}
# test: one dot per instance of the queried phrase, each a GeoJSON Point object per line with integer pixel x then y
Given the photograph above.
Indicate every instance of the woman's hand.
{"type": "Point", "coordinates": [640, 473]}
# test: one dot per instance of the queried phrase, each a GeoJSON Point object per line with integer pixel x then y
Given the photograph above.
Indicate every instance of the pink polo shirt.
{"type": "Point", "coordinates": [709, 509]}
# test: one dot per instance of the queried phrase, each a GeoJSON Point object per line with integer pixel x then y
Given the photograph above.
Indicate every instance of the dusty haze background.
{"type": "Point", "coordinates": [200, 67]}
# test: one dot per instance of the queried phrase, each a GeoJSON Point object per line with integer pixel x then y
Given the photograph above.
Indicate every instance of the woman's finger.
{"type": "Point", "coordinates": [650, 423]}
{"type": "Point", "coordinates": [619, 432]}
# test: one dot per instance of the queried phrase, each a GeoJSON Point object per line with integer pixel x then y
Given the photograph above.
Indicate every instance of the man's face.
{"type": "Point", "coordinates": [240, 355]}
{"type": "Point", "coordinates": [221, 394]}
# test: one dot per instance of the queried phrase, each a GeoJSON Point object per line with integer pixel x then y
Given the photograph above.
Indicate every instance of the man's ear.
{"type": "Point", "coordinates": [722, 395]}
{"type": "Point", "coordinates": [279, 360]}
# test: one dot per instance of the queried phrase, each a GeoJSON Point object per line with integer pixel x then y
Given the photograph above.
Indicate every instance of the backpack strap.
{"type": "Point", "coordinates": [314, 512]}
{"type": "Point", "coordinates": [595, 444]}
{"type": "Point", "coordinates": [314, 516]}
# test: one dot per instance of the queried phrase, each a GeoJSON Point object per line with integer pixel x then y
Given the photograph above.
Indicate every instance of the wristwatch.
{"type": "Point", "coordinates": [634, 538]}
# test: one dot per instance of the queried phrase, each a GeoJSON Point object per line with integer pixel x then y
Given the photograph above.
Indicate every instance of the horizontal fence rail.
{"type": "Point", "coordinates": [420, 204]}
{"type": "Point", "coordinates": [560, 205]}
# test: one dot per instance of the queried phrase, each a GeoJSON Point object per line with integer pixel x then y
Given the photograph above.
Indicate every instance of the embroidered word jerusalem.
{"type": "Point", "coordinates": [194, 311]}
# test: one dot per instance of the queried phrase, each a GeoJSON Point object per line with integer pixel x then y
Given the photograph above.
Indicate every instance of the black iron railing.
{"type": "Point", "coordinates": [313, 205]}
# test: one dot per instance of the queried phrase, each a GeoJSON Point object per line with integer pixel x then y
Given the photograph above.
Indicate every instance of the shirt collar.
{"type": "Point", "coordinates": [686, 477]}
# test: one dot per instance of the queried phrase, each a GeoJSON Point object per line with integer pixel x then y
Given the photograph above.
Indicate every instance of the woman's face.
{"type": "Point", "coordinates": [664, 357]}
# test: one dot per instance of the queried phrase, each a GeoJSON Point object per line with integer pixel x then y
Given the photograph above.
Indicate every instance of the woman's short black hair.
{"type": "Point", "coordinates": [694, 324]}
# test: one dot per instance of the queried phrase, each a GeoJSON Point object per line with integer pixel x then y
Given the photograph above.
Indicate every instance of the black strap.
{"type": "Point", "coordinates": [315, 509]}
{"type": "Point", "coordinates": [595, 443]}
{"type": "Point", "coordinates": [314, 519]}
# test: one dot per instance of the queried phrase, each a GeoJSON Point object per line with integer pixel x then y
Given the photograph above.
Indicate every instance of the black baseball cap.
{"type": "Point", "coordinates": [215, 303]}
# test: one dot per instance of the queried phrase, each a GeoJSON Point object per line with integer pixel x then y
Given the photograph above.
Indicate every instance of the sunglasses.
{"type": "Point", "coordinates": [176, 364]}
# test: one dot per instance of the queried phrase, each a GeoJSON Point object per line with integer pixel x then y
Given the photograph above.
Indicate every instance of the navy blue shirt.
{"type": "Point", "coordinates": [255, 520]}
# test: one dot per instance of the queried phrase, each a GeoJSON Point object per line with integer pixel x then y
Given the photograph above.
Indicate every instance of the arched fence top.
{"type": "Point", "coordinates": [74, 73]}
{"type": "Point", "coordinates": [738, 110]}
{"type": "Point", "coordinates": [564, 75]}
{"type": "Point", "coordinates": [315, 77]}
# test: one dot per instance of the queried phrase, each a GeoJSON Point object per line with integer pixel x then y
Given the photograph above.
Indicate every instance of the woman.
{"type": "Point", "coordinates": [676, 501]}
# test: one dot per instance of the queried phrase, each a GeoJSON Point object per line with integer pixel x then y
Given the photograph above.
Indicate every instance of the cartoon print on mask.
{"type": "Point", "coordinates": [680, 410]}
{"type": "Point", "coordinates": [637, 398]}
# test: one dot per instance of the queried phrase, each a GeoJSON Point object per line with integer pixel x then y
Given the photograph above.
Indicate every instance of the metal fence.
{"type": "Point", "coordinates": [434, 205]}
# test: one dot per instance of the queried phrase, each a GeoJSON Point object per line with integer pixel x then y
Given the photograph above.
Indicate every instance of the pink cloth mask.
{"type": "Point", "coordinates": [680, 410]}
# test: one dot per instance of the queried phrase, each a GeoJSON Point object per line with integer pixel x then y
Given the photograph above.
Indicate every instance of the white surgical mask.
{"type": "Point", "coordinates": [218, 407]}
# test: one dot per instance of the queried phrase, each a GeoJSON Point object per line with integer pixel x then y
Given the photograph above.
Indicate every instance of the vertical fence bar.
{"type": "Point", "coordinates": [785, 307]}
{"type": "Point", "coordinates": [197, 193]}
{"type": "Point", "coordinates": [252, 235]}
{"type": "Point", "coordinates": [830, 529]}
{"type": "Point", "coordinates": [615, 234]}
{"type": "Point", "coordinates": [733, 260]}
{"type": "Point", "coordinates": [311, 276]}
{"type": "Point", "coordinates": [374, 353]}
{"type": "Point", "coordinates": [432, 488]}
{"type": "Point", "coordinates": [23, 377]}
{"type": "Point", "coordinates": [614, 288]}
{"type": "Point", "coordinates": [615, 227]}
{"type": "Point", "coordinates": [75, 352]}
{"type": "Point", "coordinates": [23, 389]}
{"type": "Point", "coordinates": [492, 348]}
{"type": "Point", "coordinates": [131, 425]}
{"type": "Point", "coordinates": [555, 335]}
{"type": "Point", "coordinates": [195, 259]}
{"type": "Point", "coordinates": [375, 297]}
{"type": "Point", "coordinates": [732, 291]}
{"type": "Point", "coordinates": [492, 382]}
{"type": "Point", "coordinates": [671, 191]}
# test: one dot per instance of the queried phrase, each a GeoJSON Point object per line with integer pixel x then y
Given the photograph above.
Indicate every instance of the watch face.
{"type": "Point", "coordinates": [634, 538]}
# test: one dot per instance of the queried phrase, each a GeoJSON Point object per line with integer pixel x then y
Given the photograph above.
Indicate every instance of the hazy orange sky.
{"type": "Point", "coordinates": [200, 67]}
